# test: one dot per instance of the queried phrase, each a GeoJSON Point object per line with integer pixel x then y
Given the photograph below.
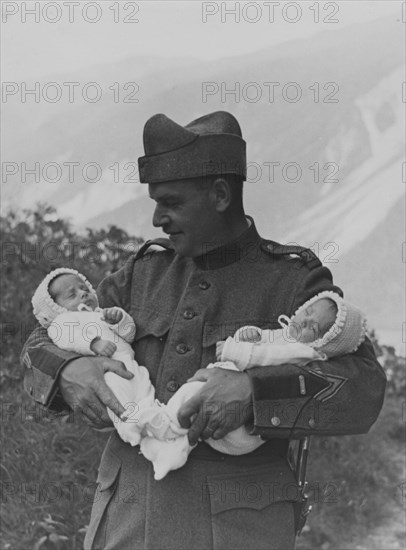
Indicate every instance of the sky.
{"type": "Point", "coordinates": [60, 36]}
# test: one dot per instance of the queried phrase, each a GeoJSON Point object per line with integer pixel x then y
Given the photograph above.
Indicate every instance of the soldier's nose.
{"type": "Point", "coordinates": [159, 218]}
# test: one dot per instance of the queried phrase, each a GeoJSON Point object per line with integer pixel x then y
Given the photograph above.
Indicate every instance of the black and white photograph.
{"type": "Point", "coordinates": [203, 249]}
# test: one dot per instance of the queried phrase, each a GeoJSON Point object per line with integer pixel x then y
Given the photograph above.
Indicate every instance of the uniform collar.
{"type": "Point", "coordinates": [246, 244]}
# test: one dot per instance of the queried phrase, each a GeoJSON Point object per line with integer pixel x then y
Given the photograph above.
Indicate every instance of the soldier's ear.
{"type": "Point", "coordinates": [220, 193]}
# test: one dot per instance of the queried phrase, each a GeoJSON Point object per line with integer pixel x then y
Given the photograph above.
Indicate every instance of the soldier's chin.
{"type": "Point", "coordinates": [178, 243]}
{"type": "Point", "coordinates": [184, 246]}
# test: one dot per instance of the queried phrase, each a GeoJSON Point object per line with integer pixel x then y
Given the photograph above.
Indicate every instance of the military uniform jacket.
{"type": "Point", "coordinates": [181, 308]}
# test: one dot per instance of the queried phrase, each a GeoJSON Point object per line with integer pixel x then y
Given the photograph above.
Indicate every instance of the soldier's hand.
{"type": "Point", "coordinates": [84, 389]}
{"type": "Point", "coordinates": [112, 315]}
{"type": "Point", "coordinates": [223, 404]}
{"type": "Point", "coordinates": [103, 347]}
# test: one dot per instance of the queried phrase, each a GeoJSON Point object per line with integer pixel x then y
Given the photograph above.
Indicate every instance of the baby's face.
{"type": "Point", "coordinates": [313, 322]}
{"type": "Point", "coordinates": [69, 291]}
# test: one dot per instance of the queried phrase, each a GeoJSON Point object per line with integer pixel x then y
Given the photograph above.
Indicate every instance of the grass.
{"type": "Point", "coordinates": [354, 482]}
{"type": "Point", "coordinates": [48, 471]}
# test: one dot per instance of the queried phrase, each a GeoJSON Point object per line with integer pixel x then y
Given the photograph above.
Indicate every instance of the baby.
{"type": "Point", "coordinates": [325, 326]}
{"type": "Point", "coordinates": [66, 304]}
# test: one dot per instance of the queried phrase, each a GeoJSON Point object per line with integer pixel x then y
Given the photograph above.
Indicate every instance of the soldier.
{"type": "Point", "coordinates": [212, 275]}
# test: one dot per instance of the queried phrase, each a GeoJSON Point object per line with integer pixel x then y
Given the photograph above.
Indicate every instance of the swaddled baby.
{"type": "Point", "coordinates": [325, 326]}
{"type": "Point", "coordinates": [66, 304]}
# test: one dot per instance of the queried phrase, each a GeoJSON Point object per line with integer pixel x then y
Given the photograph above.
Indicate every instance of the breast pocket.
{"type": "Point", "coordinates": [152, 329]}
{"type": "Point", "coordinates": [254, 510]}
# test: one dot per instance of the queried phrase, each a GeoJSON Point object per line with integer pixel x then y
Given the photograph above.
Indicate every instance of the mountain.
{"type": "Point", "coordinates": [342, 140]}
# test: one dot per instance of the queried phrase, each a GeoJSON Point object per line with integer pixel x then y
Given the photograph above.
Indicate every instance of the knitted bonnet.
{"type": "Point", "coordinates": [348, 330]}
{"type": "Point", "coordinates": [45, 309]}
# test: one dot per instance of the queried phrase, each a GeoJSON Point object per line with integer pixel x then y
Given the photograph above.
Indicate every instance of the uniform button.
{"type": "Point", "coordinates": [188, 314]}
{"type": "Point", "coordinates": [172, 385]}
{"type": "Point", "coordinates": [312, 423]}
{"type": "Point", "coordinates": [204, 285]}
{"type": "Point", "coordinates": [181, 348]}
{"type": "Point", "coordinates": [275, 421]}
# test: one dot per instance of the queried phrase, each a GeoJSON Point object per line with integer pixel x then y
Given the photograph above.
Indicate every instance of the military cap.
{"type": "Point", "coordinates": [209, 145]}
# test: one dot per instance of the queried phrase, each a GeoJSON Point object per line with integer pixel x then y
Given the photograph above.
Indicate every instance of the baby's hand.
{"type": "Point", "coordinates": [249, 334]}
{"type": "Point", "coordinates": [219, 350]}
{"type": "Point", "coordinates": [112, 315]}
{"type": "Point", "coordinates": [103, 347]}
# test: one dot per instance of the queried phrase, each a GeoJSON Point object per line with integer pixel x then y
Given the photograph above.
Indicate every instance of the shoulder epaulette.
{"type": "Point", "coordinates": [163, 243]}
{"type": "Point", "coordinates": [305, 255]}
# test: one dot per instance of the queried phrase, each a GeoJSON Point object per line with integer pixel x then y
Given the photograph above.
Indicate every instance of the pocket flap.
{"type": "Point", "coordinates": [149, 322]}
{"type": "Point", "coordinates": [213, 333]}
{"type": "Point", "coordinates": [257, 489]}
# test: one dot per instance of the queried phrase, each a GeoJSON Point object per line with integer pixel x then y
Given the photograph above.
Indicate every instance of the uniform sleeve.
{"type": "Point", "coordinates": [343, 395]}
{"type": "Point", "coordinates": [43, 361]}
